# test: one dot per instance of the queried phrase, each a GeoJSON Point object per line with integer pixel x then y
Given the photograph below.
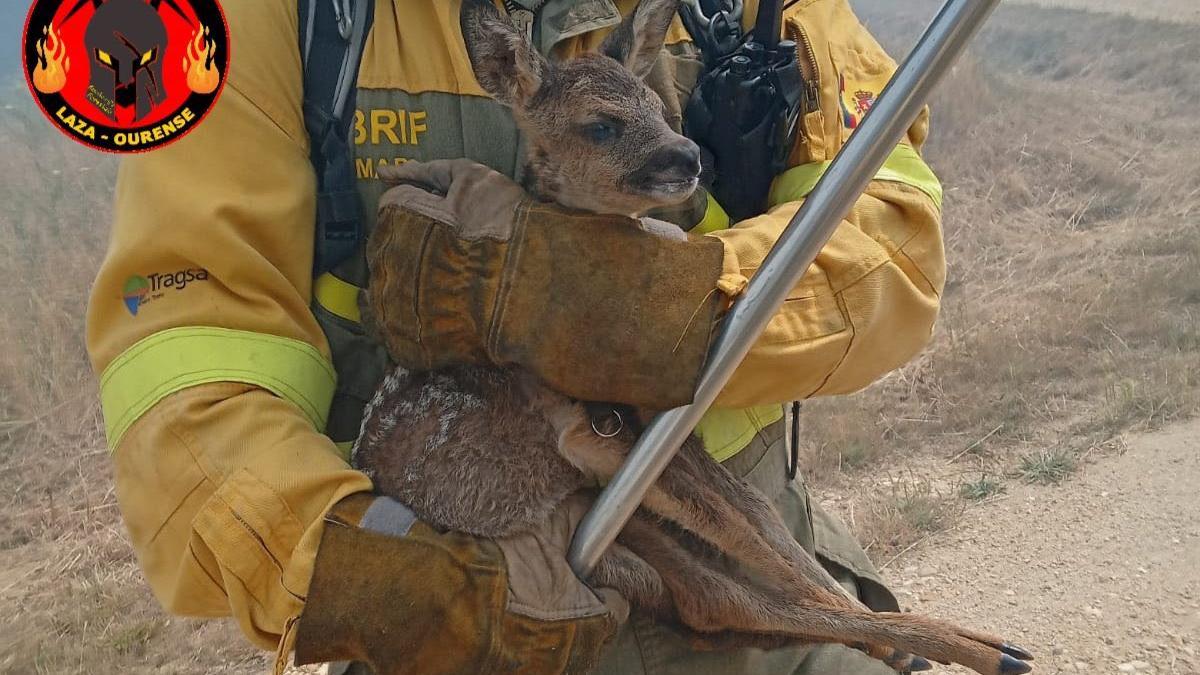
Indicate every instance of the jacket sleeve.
{"type": "Point", "coordinates": [215, 376]}
{"type": "Point", "coordinates": [868, 303]}
{"type": "Point", "coordinates": [865, 307]}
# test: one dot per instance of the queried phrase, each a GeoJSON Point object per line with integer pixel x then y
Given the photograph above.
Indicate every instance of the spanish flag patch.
{"type": "Point", "coordinates": [856, 100]}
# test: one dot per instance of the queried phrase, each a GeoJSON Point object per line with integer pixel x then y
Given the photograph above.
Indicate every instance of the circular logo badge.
{"type": "Point", "coordinates": [126, 75]}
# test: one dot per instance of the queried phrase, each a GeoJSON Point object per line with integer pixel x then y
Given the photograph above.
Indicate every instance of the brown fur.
{"type": "Point", "coordinates": [554, 104]}
{"type": "Point", "coordinates": [492, 451]}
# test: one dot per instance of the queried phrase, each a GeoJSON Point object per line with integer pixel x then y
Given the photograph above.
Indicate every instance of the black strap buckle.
{"type": "Point", "coordinates": [344, 16]}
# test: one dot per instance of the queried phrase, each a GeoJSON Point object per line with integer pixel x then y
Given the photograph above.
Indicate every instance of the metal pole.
{"type": "Point", "coordinates": [829, 202]}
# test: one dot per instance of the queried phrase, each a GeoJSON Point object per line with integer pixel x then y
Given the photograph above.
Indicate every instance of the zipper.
{"type": "Point", "coordinates": [807, 60]}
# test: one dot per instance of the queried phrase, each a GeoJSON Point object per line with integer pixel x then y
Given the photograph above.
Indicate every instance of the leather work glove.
{"type": "Point", "coordinates": [466, 268]}
{"type": "Point", "coordinates": [390, 591]}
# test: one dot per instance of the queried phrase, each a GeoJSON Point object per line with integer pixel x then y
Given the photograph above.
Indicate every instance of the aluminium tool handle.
{"type": "Point", "coordinates": [806, 234]}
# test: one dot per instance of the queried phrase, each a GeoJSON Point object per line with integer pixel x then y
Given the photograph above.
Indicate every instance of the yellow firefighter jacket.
{"type": "Point", "coordinates": [216, 378]}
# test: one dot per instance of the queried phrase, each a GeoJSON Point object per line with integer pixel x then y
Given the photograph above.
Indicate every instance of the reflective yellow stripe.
{"type": "Point", "coordinates": [904, 165]}
{"type": "Point", "coordinates": [726, 431]}
{"type": "Point", "coordinates": [337, 296]}
{"type": "Point", "coordinates": [175, 359]}
{"type": "Point", "coordinates": [714, 219]}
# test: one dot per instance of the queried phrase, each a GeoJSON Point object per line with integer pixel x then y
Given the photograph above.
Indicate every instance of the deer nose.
{"type": "Point", "coordinates": [682, 156]}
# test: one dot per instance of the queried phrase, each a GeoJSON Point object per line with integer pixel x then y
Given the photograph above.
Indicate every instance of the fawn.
{"type": "Point", "coordinates": [489, 451]}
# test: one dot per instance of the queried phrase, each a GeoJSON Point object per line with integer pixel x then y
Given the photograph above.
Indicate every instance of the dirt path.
{"type": "Point", "coordinates": [1098, 575]}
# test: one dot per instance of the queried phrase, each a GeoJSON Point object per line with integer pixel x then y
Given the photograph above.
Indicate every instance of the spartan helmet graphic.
{"type": "Point", "coordinates": [126, 40]}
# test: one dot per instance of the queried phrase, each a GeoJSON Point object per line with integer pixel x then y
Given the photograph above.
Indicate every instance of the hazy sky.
{"type": "Point", "coordinates": [12, 20]}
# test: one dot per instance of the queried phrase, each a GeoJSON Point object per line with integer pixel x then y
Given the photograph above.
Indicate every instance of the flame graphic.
{"type": "Point", "coordinates": [50, 73]}
{"type": "Point", "coordinates": [202, 76]}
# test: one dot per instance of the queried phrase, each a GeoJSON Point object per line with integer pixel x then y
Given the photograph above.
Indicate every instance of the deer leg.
{"type": "Point", "coordinates": [763, 518]}
{"type": "Point", "coordinates": [682, 495]}
{"type": "Point", "coordinates": [804, 601]}
{"type": "Point", "coordinates": [699, 495]}
{"type": "Point", "coordinates": [639, 583]}
{"type": "Point", "coordinates": [708, 600]}
{"type": "Point", "coordinates": [622, 569]}
{"type": "Point", "coordinates": [759, 515]}
{"type": "Point", "coordinates": [703, 498]}
{"type": "Point", "coordinates": [694, 491]}
{"type": "Point", "coordinates": [726, 610]}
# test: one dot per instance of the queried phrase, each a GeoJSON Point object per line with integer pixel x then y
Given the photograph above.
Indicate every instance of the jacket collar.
{"type": "Point", "coordinates": [560, 20]}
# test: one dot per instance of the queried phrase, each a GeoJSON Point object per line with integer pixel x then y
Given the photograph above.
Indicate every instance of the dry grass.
{"type": "Point", "coordinates": [1180, 11]}
{"type": "Point", "coordinates": [1067, 144]}
{"type": "Point", "coordinates": [71, 597]}
{"type": "Point", "coordinates": [896, 516]}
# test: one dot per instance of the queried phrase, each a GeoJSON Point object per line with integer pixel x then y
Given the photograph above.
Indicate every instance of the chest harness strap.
{"type": "Point", "coordinates": [334, 31]}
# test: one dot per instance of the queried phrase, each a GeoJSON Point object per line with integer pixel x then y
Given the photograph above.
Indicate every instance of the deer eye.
{"type": "Point", "coordinates": [600, 132]}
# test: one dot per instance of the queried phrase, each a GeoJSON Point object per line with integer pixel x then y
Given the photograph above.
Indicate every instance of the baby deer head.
{"type": "Point", "coordinates": [597, 139]}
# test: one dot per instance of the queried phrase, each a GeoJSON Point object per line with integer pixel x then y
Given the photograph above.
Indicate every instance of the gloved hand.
{"type": "Point", "coordinates": [389, 591]}
{"type": "Point", "coordinates": [467, 269]}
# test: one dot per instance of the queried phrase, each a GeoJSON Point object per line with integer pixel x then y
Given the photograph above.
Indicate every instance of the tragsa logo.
{"type": "Point", "coordinates": [140, 290]}
{"type": "Point", "coordinates": [136, 288]}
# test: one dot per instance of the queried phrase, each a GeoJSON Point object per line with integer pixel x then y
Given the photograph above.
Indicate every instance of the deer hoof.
{"type": "Point", "coordinates": [1012, 666]}
{"type": "Point", "coordinates": [1015, 651]}
{"type": "Point", "coordinates": [918, 664]}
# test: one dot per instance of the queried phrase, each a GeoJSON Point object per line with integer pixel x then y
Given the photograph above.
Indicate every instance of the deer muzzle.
{"type": "Point", "coordinates": [670, 173]}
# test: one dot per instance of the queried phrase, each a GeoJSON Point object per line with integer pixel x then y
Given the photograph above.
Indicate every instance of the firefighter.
{"type": "Point", "coordinates": [230, 400]}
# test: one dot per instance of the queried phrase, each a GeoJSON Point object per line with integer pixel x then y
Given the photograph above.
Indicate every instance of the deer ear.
{"type": "Point", "coordinates": [638, 40]}
{"type": "Point", "coordinates": [505, 64]}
